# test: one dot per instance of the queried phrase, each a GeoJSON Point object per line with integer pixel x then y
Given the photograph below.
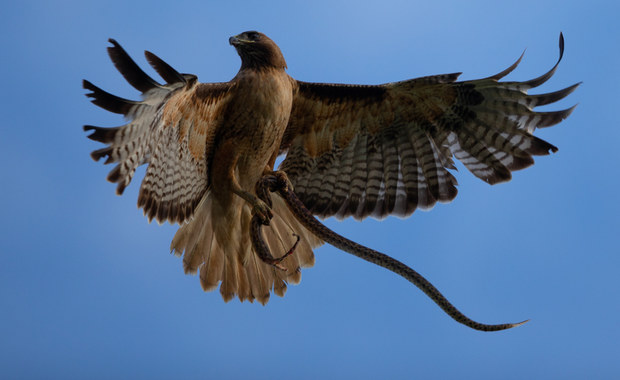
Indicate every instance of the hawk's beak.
{"type": "Point", "coordinates": [234, 41]}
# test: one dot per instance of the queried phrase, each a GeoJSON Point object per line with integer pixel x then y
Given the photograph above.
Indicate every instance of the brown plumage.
{"type": "Point", "coordinates": [350, 151]}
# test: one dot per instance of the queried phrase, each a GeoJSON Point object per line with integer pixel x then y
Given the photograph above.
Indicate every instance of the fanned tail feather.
{"type": "Point", "coordinates": [223, 253]}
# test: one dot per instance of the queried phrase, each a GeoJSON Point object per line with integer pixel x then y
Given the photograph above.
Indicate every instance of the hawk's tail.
{"type": "Point", "coordinates": [221, 250]}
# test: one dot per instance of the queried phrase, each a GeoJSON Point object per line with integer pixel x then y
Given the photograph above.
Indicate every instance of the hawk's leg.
{"type": "Point", "coordinates": [263, 189]}
{"type": "Point", "coordinates": [260, 208]}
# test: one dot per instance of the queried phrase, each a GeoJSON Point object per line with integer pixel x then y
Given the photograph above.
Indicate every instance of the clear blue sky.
{"type": "Point", "coordinates": [88, 288]}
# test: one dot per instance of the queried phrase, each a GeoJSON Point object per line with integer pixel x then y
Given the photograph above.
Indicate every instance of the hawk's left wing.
{"type": "Point", "coordinates": [172, 129]}
{"type": "Point", "coordinates": [386, 149]}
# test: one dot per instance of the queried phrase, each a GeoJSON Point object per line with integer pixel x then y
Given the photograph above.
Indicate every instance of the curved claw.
{"type": "Point", "coordinates": [263, 212]}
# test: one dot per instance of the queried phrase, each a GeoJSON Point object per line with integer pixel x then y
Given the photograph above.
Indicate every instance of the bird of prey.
{"type": "Point", "coordinates": [350, 150]}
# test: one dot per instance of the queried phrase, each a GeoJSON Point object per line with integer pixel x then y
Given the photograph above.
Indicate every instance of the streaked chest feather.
{"type": "Point", "coordinates": [261, 106]}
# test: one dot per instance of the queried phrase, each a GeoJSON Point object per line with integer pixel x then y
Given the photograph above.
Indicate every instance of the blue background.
{"type": "Point", "coordinates": [89, 290]}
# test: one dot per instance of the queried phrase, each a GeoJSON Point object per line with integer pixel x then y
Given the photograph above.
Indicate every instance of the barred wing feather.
{"type": "Point", "coordinates": [387, 149]}
{"type": "Point", "coordinates": [171, 129]}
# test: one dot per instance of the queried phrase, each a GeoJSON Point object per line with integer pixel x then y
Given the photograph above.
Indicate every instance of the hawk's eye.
{"type": "Point", "coordinates": [253, 36]}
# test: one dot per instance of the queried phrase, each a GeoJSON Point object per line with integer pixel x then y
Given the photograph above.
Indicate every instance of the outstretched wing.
{"type": "Point", "coordinates": [379, 150]}
{"type": "Point", "coordinates": [172, 130]}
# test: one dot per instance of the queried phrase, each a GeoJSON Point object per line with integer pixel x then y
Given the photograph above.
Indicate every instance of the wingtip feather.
{"type": "Point", "coordinates": [167, 72]}
{"type": "Point", "coordinates": [552, 97]}
{"type": "Point", "coordinates": [508, 70]}
{"type": "Point", "coordinates": [129, 69]}
{"type": "Point", "coordinates": [549, 119]}
{"type": "Point", "coordinates": [545, 77]}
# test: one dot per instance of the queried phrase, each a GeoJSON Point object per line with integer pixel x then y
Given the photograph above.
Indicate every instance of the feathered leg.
{"type": "Point", "coordinates": [264, 187]}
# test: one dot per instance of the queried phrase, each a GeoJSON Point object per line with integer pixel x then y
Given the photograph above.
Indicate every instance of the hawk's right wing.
{"type": "Point", "coordinates": [172, 129]}
{"type": "Point", "coordinates": [387, 149]}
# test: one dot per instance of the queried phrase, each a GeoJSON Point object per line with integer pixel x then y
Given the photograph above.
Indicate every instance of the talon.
{"type": "Point", "coordinates": [282, 181]}
{"type": "Point", "coordinates": [263, 212]}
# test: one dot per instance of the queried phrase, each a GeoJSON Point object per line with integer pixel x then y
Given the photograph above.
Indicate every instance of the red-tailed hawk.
{"type": "Point", "coordinates": [351, 150]}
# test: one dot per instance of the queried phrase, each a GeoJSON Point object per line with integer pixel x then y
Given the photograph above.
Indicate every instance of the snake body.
{"type": "Point", "coordinates": [278, 182]}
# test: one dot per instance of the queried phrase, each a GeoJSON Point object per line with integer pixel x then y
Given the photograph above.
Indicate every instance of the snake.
{"type": "Point", "coordinates": [278, 182]}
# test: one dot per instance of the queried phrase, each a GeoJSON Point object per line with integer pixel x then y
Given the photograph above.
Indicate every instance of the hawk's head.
{"type": "Point", "coordinates": [257, 51]}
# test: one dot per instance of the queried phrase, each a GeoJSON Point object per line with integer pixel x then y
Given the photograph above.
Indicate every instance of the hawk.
{"type": "Point", "coordinates": [351, 150]}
